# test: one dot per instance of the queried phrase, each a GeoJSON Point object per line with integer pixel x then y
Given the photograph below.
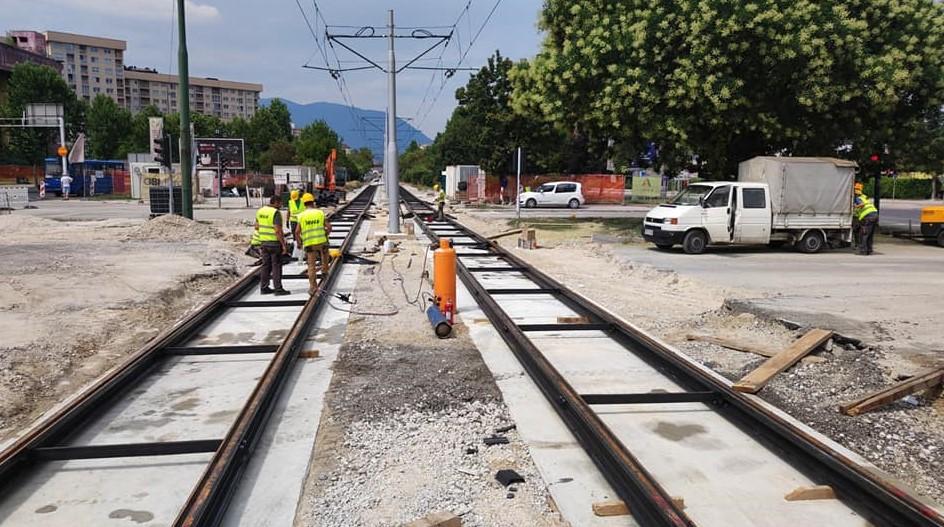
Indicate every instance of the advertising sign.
{"type": "Point", "coordinates": [647, 187]}
{"type": "Point", "coordinates": [209, 150]}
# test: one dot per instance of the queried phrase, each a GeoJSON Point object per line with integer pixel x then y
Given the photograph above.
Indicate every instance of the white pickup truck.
{"type": "Point", "coordinates": [805, 201]}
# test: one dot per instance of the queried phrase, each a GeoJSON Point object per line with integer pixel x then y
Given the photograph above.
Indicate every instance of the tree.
{"type": "Point", "coordinates": [108, 126]}
{"type": "Point", "coordinates": [417, 165]}
{"type": "Point", "coordinates": [315, 143]}
{"type": "Point", "coordinates": [138, 137]}
{"type": "Point", "coordinates": [729, 80]}
{"type": "Point", "coordinates": [268, 125]}
{"type": "Point", "coordinates": [359, 161]}
{"type": "Point", "coordinates": [279, 153]}
{"type": "Point", "coordinates": [485, 129]}
{"type": "Point", "coordinates": [31, 83]}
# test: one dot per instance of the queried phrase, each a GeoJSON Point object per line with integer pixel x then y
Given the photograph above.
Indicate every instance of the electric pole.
{"type": "Point", "coordinates": [183, 95]}
{"type": "Point", "coordinates": [393, 192]}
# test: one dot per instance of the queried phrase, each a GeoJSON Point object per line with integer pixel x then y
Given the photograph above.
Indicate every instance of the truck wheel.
{"type": "Point", "coordinates": [574, 203]}
{"type": "Point", "coordinates": [812, 242]}
{"type": "Point", "coordinates": [531, 203]}
{"type": "Point", "coordinates": [695, 242]}
{"type": "Point", "coordinates": [940, 238]}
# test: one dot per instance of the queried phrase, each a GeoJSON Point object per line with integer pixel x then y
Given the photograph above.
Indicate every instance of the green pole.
{"type": "Point", "coordinates": [183, 95]}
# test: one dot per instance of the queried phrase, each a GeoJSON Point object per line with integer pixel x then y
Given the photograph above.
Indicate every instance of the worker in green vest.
{"type": "Point", "coordinates": [440, 202]}
{"type": "Point", "coordinates": [255, 248]}
{"type": "Point", "coordinates": [269, 227]}
{"type": "Point", "coordinates": [311, 234]}
{"type": "Point", "coordinates": [867, 216]}
{"type": "Point", "coordinates": [294, 207]}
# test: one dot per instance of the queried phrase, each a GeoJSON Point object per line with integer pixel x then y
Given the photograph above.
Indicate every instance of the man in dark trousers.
{"type": "Point", "coordinates": [269, 226]}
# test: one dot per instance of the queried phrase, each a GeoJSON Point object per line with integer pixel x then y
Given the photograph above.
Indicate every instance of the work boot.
{"type": "Point", "coordinates": [281, 292]}
{"type": "Point", "coordinates": [266, 290]}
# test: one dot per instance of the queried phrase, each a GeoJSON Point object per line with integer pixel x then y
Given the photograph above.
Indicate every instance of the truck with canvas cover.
{"type": "Point", "coordinates": [804, 201]}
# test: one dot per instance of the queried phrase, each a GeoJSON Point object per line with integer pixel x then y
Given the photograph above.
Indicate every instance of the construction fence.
{"type": "Point", "coordinates": [597, 188]}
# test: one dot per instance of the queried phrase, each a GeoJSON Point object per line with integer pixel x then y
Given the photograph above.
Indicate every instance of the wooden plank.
{"type": "Point", "coordinates": [757, 379]}
{"type": "Point", "coordinates": [313, 354]}
{"type": "Point", "coordinates": [816, 492]}
{"type": "Point", "coordinates": [925, 381]}
{"type": "Point", "coordinates": [732, 344]}
{"type": "Point", "coordinates": [577, 319]}
{"type": "Point", "coordinates": [436, 519]}
{"type": "Point", "coordinates": [619, 508]}
{"type": "Point", "coordinates": [503, 234]}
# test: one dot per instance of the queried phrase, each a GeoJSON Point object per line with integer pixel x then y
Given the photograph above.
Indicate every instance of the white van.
{"type": "Point", "coordinates": [803, 201]}
{"type": "Point", "coordinates": [559, 194]}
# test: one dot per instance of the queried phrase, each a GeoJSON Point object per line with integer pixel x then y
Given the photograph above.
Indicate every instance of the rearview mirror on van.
{"type": "Point", "coordinates": [702, 202]}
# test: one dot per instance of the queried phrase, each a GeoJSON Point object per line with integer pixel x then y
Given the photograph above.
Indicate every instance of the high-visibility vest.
{"type": "Point", "coordinates": [294, 208]}
{"type": "Point", "coordinates": [254, 241]}
{"type": "Point", "coordinates": [441, 197]}
{"type": "Point", "coordinates": [312, 224]}
{"type": "Point", "coordinates": [864, 206]}
{"type": "Point", "coordinates": [266, 219]}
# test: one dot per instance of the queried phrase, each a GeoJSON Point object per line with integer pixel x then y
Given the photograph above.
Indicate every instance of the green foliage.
{"type": "Point", "coordinates": [107, 128]}
{"type": "Point", "coordinates": [359, 161]}
{"type": "Point", "coordinates": [727, 80]}
{"type": "Point", "coordinates": [417, 165]}
{"type": "Point", "coordinates": [278, 153]}
{"type": "Point", "coordinates": [315, 142]}
{"type": "Point", "coordinates": [903, 188]}
{"type": "Point", "coordinates": [31, 83]}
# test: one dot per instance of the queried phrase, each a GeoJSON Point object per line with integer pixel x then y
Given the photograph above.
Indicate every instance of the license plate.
{"type": "Point", "coordinates": [648, 232]}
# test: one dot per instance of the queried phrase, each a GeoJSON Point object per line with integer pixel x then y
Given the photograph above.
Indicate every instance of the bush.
{"type": "Point", "coordinates": [904, 188]}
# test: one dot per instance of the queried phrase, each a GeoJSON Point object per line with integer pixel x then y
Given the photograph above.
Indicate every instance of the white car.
{"type": "Point", "coordinates": [559, 194]}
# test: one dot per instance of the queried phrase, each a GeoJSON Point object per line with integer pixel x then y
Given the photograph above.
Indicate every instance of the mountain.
{"type": "Point", "coordinates": [356, 126]}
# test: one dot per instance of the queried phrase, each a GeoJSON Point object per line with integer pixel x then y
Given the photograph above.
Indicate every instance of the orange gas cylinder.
{"type": "Point", "coordinates": [444, 276]}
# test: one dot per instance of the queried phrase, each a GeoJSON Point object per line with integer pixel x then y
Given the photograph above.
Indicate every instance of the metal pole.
{"type": "Point", "coordinates": [170, 184]}
{"type": "Point", "coordinates": [219, 177]}
{"type": "Point", "coordinates": [518, 188]}
{"type": "Point", "coordinates": [62, 142]}
{"type": "Point", "coordinates": [183, 95]}
{"type": "Point", "coordinates": [393, 192]}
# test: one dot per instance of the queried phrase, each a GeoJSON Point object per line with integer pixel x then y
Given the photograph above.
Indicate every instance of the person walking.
{"type": "Point", "coordinates": [867, 216]}
{"type": "Point", "coordinates": [66, 183]}
{"type": "Point", "coordinates": [269, 225]}
{"type": "Point", "coordinates": [440, 202]}
{"type": "Point", "coordinates": [311, 234]}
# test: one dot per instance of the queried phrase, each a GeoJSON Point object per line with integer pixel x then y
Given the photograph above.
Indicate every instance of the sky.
{"type": "Point", "coordinates": [269, 41]}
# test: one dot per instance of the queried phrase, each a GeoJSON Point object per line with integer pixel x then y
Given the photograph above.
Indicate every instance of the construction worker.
{"type": "Point", "coordinates": [255, 248]}
{"type": "Point", "coordinates": [294, 207]}
{"type": "Point", "coordinates": [269, 226]}
{"type": "Point", "coordinates": [311, 234]}
{"type": "Point", "coordinates": [440, 202]}
{"type": "Point", "coordinates": [867, 216]}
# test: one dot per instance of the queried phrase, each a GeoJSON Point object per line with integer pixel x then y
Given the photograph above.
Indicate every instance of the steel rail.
{"type": "Point", "coordinates": [46, 439]}
{"type": "Point", "coordinates": [207, 503]}
{"type": "Point", "coordinates": [877, 498]}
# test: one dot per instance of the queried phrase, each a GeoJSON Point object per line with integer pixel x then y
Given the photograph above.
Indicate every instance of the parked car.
{"type": "Point", "coordinates": [558, 194]}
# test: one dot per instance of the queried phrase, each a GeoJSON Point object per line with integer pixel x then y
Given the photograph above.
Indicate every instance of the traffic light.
{"type": "Point", "coordinates": [162, 152]}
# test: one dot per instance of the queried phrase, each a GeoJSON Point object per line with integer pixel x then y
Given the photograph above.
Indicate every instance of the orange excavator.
{"type": "Point", "coordinates": [326, 192]}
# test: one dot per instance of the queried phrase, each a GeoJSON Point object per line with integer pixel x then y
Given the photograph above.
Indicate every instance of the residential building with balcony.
{"type": "Point", "coordinates": [208, 96]}
{"type": "Point", "coordinates": [90, 65]}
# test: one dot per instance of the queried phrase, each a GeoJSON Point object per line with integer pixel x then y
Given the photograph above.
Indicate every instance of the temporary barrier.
{"type": "Point", "coordinates": [597, 188]}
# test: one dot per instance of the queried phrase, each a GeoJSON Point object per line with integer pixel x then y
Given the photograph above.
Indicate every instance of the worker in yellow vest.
{"type": "Point", "coordinates": [294, 207]}
{"type": "Point", "coordinates": [440, 202]}
{"type": "Point", "coordinates": [269, 226]}
{"type": "Point", "coordinates": [311, 234]}
{"type": "Point", "coordinates": [867, 216]}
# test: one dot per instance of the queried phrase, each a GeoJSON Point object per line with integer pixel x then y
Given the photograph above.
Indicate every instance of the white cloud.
{"type": "Point", "coordinates": [145, 9]}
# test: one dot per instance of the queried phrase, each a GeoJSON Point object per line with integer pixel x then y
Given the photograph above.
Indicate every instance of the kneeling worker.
{"type": "Point", "coordinates": [867, 216]}
{"type": "Point", "coordinates": [269, 225]}
{"type": "Point", "coordinates": [311, 234]}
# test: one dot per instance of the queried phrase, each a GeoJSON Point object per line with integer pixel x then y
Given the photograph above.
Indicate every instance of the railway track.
{"type": "Point", "coordinates": [658, 425]}
{"type": "Point", "coordinates": [164, 438]}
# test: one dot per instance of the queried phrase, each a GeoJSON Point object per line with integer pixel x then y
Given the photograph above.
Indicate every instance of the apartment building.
{"type": "Point", "coordinates": [90, 65]}
{"type": "Point", "coordinates": [208, 96]}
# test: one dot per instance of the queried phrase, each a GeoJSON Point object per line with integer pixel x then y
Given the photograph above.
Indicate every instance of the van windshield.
{"type": "Point", "coordinates": [690, 195]}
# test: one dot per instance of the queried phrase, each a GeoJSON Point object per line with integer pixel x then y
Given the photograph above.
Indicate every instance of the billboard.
{"type": "Point", "coordinates": [647, 187]}
{"type": "Point", "coordinates": [231, 150]}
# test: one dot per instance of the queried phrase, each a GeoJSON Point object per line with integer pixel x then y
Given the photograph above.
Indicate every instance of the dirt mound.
{"type": "Point", "coordinates": [174, 228]}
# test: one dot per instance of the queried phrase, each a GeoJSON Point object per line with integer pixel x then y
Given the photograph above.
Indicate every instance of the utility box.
{"type": "Point", "coordinates": [457, 180]}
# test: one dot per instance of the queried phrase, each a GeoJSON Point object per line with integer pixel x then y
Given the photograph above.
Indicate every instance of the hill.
{"type": "Point", "coordinates": [357, 127]}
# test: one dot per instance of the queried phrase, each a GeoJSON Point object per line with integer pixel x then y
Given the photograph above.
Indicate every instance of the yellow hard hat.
{"type": "Point", "coordinates": [308, 198]}
{"type": "Point", "coordinates": [294, 194]}
{"type": "Point", "coordinates": [436, 187]}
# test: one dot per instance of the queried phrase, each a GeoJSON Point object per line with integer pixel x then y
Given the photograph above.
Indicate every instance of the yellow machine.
{"type": "Point", "coordinates": [932, 224]}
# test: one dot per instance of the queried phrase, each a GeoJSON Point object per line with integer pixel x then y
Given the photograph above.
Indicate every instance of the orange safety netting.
{"type": "Point", "coordinates": [597, 188]}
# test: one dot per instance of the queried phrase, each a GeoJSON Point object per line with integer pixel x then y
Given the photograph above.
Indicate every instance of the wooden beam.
{"type": "Point", "coordinates": [503, 234]}
{"type": "Point", "coordinates": [732, 344]}
{"type": "Point", "coordinates": [816, 492]}
{"type": "Point", "coordinates": [757, 379]}
{"type": "Point", "coordinates": [619, 508]}
{"type": "Point", "coordinates": [436, 519]}
{"type": "Point", "coordinates": [925, 381]}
